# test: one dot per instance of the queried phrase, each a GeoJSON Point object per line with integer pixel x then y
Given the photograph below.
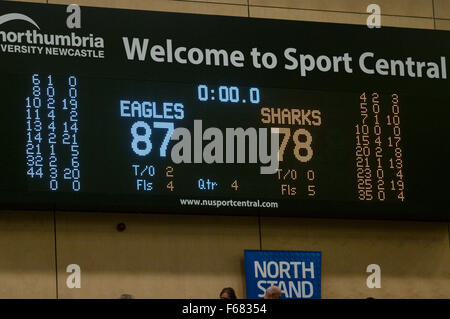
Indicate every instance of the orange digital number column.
{"type": "Point", "coordinates": [170, 175]}
{"type": "Point", "coordinates": [381, 194]}
{"type": "Point", "coordinates": [363, 170]}
{"type": "Point", "coordinates": [396, 161]}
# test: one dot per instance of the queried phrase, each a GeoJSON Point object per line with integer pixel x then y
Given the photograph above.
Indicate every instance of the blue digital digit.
{"type": "Point", "coordinates": [202, 92]}
{"type": "Point", "coordinates": [72, 81]}
{"type": "Point", "coordinates": [53, 183]}
{"type": "Point", "coordinates": [169, 126]}
{"type": "Point", "coordinates": [75, 174]}
{"type": "Point", "coordinates": [76, 185]}
{"type": "Point", "coordinates": [50, 92]}
{"type": "Point", "coordinates": [37, 100]}
{"type": "Point", "coordinates": [223, 94]}
{"type": "Point", "coordinates": [234, 94]}
{"type": "Point", "coordinates": [254, 95]}
{"type": "Point", "coordinates": [151, 170]}
{"type": "Point", "coordinates": [141, 138]}
{"type": "Point", "coordinates": [73, 93]}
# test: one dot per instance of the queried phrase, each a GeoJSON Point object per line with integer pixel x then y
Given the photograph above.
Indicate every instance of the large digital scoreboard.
{"type": "Point", "coordinates": [121, 110]}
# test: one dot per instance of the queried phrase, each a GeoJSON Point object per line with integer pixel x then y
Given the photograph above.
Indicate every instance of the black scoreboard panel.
{"type": "Point", "coordinates": [134, 123]}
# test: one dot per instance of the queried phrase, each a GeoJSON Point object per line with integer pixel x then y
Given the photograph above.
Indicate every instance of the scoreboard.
{"type": "Point", "coordinates": [182, 113]}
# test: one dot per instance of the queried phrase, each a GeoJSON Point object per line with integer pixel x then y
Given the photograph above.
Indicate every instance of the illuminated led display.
{"type": "Point", "coordinates": [122, 115]}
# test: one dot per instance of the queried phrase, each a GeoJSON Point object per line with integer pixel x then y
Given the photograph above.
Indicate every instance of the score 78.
{"type": "Point", "coordinates": [142, 132]}
{"type": "Point", "coordinates": [299, 145]}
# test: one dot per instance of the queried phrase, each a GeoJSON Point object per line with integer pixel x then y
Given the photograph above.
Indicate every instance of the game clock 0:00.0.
{"type": "Point", "coordinates": [228, 94]}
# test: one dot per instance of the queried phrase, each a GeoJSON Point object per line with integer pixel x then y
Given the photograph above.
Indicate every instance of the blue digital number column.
{"type": "Point", "coordinates": [73, 122]}
{"type": "Point", "coordinates": [51, 114]}
{"type": "Point", "coordinates": [34, 130]}
{"type": "Point", "coordinates": [30, 145]}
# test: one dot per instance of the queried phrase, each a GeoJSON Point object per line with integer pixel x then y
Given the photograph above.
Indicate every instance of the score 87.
{"type": "Point", "coordinates": [299, 145]}
{"type": "Point", "coordinates": [141, 133]}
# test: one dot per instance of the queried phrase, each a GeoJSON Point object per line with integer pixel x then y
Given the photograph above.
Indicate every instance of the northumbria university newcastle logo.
{"type": "Point", "coordinates": [37, 42]}
{"type": "Point", "coordinates": [16, 16]}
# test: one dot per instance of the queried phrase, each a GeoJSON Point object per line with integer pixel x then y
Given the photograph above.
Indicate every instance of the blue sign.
{"type": "Point", "coordinates": [296, 273]}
